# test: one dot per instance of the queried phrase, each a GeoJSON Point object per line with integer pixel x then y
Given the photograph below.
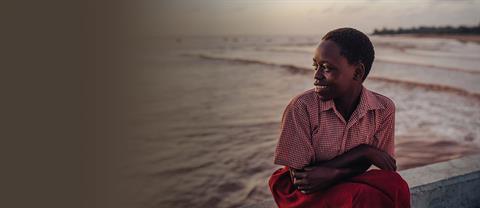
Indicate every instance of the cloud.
{"type": "Point", "coordinates": [302, 16]}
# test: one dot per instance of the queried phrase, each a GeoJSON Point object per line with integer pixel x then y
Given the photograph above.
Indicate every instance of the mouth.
{"type": "Point", "coordinates": [319, 88]}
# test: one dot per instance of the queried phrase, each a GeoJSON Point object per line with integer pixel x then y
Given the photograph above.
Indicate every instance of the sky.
{"type": "Point", "coordinates": [299, 17]}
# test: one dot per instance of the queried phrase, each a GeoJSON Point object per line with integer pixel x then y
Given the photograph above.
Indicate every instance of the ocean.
{"type": "Point", "coordinates": [208, 110]}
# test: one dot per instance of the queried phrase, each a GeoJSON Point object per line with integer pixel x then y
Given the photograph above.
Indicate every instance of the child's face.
{"type": "Point", "coordinates": [334, 76]}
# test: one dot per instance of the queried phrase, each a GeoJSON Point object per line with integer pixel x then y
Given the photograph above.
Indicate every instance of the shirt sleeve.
{"type": "Point", "coordinates": [385, 134]}
{"type": "Point", "coordinates": [294, 148]}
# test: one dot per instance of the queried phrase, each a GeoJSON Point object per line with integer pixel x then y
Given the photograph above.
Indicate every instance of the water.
{"type": "Point", "coordinates": [209, 109]}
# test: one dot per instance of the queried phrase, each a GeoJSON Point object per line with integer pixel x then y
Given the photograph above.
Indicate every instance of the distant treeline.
{"type": "Point", "coordinates": [445, 30]}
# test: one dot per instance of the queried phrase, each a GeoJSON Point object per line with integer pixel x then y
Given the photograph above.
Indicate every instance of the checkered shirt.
{"type": "Point", "coordinates": [313, 130]}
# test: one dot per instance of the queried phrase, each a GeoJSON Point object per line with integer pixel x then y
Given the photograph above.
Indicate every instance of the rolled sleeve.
{"type": "Point", "coordinates": [385, 134]}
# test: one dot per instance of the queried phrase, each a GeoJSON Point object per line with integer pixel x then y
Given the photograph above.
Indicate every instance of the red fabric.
{"type": "Point", "coordinates": [313, 130]}
{"type": "Point", "coordinates": [374, 188]}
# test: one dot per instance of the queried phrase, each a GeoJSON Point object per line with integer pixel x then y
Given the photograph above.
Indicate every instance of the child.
{"type": "Point", "coordinates": [332, 134]}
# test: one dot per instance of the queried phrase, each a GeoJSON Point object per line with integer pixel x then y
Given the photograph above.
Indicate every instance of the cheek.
{"type": "Point", "coordinates": [330, 77]}
{"type": "Point", "coordinates": [341, 85]}
{"type": "Point", "coordinates": [334, 80]}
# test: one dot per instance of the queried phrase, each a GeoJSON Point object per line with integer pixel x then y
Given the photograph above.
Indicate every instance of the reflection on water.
{"type": "Point", "coordinates": [206, 126]}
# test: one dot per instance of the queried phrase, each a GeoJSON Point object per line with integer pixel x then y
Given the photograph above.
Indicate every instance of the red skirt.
{"type": "Point", "coordinates": [374, 188]}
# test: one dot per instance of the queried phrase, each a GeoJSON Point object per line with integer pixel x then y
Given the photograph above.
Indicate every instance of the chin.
{"type": "Point", "coordinates": [324, 97]}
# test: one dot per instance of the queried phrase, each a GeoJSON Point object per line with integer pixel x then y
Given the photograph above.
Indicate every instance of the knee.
{"type": "Point", "coordinates": [401, 183]}
{"type": "Point", "coordinates": [396, 180]}
{"type": "Point", "coordinates": [401, 189]}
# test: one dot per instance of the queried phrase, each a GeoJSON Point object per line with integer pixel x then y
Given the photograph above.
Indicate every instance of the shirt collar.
{"type": "Point", "coordinates": [368, 101]}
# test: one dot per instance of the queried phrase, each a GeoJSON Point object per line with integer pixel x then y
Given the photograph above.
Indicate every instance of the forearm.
{"type": "Point", "coordinates": [327, 176]}
{"type": "Point", "coordinates": [327, 173]}
{"type": "Point", "coordinates": [349, 164]}
{"type": "Point", "coordinates": [355, 158]}
{"type": "Point", "coordinates": [353, 162]}
{"type": "Point", "coordinates": [341, 173]}
{"type": "Point", "coordinates": [358, 168]}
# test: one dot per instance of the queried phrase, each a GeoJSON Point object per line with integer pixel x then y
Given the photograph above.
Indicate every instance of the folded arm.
{"type": "Point", "coordinates": [351, 163]}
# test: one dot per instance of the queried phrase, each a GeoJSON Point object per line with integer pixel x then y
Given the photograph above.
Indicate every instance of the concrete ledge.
{"type": "Point", "coordinates": [454, 183]}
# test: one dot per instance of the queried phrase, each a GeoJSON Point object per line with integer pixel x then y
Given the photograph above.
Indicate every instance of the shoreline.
{"type": "Point", "coordinates": [461, 38]}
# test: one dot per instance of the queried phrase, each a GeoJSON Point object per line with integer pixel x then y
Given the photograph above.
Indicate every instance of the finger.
{"type": "Point", "coordinates": [393, 167]}
{"type": "Point", "coordinates": [291, 176]}
{"type": "Point", "coordinates": [394, 163]}
{"type": "Point", "coordinates": [304, 187]}
{"type": "Point", "coordinates": [384, 164]}
{"type": "Point", "coordinates": [306, 190]}
{"type": "Point", "coordinates": [309, 168]}
{"type": "Point", "coordinates": [310, 191]}
{"type": "Point", "coordinates": [299, 175]}
{"type": "Point", "coordinates": [389, 163]}
{"type": "Point", "coordinates": [300, 182]}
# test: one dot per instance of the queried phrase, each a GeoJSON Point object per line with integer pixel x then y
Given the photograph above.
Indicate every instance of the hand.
{"type": "Point", "coordinates": [381, 159]}
{"type": "Point", "coordinates": [314, 178]}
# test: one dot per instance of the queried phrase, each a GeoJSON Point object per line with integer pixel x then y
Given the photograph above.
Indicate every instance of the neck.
{"type": "Point", "coordinates": [348, 103]}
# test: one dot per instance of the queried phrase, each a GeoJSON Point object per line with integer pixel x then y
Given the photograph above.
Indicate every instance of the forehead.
{"type": "Point", "coordinates": [328, 51]}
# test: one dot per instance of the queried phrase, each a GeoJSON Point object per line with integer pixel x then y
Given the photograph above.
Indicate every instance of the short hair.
{"type": "Point", "coordinates": [354, 45]}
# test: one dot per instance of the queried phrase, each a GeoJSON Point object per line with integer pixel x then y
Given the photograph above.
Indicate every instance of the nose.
{"type": "Point", "coordinates": [319, 74]}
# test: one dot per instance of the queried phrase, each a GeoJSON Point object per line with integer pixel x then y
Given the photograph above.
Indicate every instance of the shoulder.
{"type": "Point", "coordinates": [303, 99]}
{"type": "Point", "coordinates": [387, 104]}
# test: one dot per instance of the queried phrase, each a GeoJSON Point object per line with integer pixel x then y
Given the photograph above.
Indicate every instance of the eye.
{"type": "Point", "coordinates": [326, 68]}
{"type": "Point", "coordinates": [323, 67]}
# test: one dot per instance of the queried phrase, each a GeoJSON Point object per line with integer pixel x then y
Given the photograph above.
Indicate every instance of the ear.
{"type": "Point", "coordinates": [359, 72]}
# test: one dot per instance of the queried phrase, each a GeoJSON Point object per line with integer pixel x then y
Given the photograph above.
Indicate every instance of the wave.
{"type": "Point", "coordinates": [429, 86]}
{"type": "Point", "coordinates": [304, 70]}
{"type": "Point", "coordinates": [290, 67]}
{"type": "Point", "coordinates": [285, 50]}
{"type": "Point", "coordinates": [433, 66]}
{"type": "Point", "coordinates": [470, 71]}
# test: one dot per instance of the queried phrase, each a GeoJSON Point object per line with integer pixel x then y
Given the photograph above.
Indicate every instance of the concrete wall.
{"type": "Point", "coordinates": [454, 183]}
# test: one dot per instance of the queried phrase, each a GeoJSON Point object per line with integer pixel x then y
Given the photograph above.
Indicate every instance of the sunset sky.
{"type": "Point", "coordinates": [294, 17]}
